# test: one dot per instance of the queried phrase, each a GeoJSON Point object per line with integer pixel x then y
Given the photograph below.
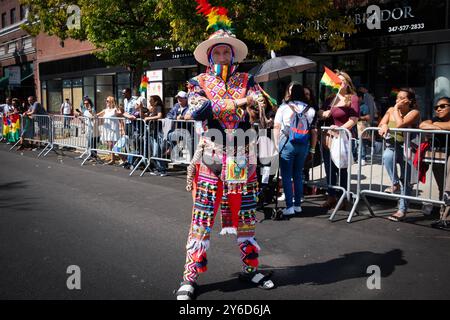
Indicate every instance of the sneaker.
{"type": "Point", "coordinates": [288, 211]}
{"type": "Point", "coordinates": [154, 173]}
{"type": "Point", "coordinates": [163, 174]}
{"type": "Point", "coordinates": [282, 197]}
{"type": "Point", "coordinates": [441, 224]}
{"type": "Point", "coordinates": [363, 162]}
{"type": "Point", "coordinates": [297, 209]}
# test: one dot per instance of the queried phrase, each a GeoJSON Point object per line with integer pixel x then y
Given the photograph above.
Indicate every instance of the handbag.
{"type": "Point", "coordinates": [340, 151]}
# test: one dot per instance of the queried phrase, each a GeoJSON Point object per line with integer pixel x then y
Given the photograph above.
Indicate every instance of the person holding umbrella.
{"type": "Point", "coordinates": [226, 175]}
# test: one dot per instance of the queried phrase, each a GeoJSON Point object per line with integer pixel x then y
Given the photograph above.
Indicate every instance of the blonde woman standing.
{"type": "Point", "coordinates": [111, 130]}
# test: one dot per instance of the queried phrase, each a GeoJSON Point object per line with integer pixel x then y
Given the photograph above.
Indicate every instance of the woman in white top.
{"type": "Point", "coordinates": [293, 153]}
{"type": "Point", "coordinates": [110, 133]}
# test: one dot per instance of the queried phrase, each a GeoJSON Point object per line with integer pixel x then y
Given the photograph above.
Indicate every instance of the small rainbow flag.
{"type": "Point", "coordinates": [330, 79]}
{"type": "Point", "coordinates": [143, 85]}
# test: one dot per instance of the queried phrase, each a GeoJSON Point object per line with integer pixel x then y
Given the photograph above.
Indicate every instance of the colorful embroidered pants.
{"type": "Point", "coordinates": [238, 212]}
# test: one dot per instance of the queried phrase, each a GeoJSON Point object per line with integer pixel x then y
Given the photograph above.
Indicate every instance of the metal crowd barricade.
{"type": "Point", "coordinates": [118, 136]}
{"type": "Point", "coordinates": [71, 132]}
{"type": "Point", "coordinates": [181, 138]}
{"type": "Point", "coordinates": [157, 142]}
{"type": "Point", "coordinates": [1, 127]}
{"type": "Point", "coordinates": [37, 129]}
{"type": "Point", "coordinates": [342, 137]}
{"type": "Point", "coordinates": [406, 148]}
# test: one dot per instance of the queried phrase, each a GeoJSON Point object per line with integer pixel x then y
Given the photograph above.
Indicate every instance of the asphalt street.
{"type": "Point", "coordinates": [127, 235]}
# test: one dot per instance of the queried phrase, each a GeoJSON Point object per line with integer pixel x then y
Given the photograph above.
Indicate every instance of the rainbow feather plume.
{"type": "Point", "coordinates": [217, 16]}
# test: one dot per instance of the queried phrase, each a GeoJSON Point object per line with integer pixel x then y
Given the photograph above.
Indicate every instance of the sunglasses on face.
{"type": "Point", "coordinates": [442, 106]}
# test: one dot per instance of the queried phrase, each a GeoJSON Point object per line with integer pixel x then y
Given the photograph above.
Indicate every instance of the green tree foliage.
{"type": "Point", "coordinates": [125, 32]}
{"type": "Point", "coordinates": [271, 24]}
{"type": "Point", "coordinates": [128, 32]}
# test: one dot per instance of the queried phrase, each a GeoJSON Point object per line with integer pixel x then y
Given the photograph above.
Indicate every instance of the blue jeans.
{"type": "Point", "coordinates": [365, 144]}
{"type": "Point", "coordinates": [332, 172]}
{"type": "Point", "coordinates": [292, 161]}
{"type": "Point", "coordinates": [405, 174]}
{"type": "Point", "coordinates": [157, 151]}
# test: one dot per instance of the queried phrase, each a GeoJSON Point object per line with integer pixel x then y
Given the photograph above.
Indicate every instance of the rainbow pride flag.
{"type": "Point", "coordinates": [143, 85]}
{"type": "Point", "coordinates": [331, 80]}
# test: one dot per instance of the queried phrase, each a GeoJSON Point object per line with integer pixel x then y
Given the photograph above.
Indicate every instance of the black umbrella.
{"type": "Point", "coordinates": [280, 67]}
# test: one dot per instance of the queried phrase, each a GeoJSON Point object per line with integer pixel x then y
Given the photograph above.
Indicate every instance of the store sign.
{"type": "Point", "coordinates": [375, 16]}
{"type": "Point", "coordinates": [14, 75]}
{"type": "Point", "coordinates": [399, 17]}
{"type": "Point", "coordinates": [155, 75]}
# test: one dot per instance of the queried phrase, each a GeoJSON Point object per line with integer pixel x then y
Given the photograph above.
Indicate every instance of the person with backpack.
{"type": "Point", "coordinates": [293, 132]}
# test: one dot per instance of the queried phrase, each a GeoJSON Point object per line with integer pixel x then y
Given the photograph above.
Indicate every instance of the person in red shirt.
{"type": "Point", "coordinates": [344, 112]}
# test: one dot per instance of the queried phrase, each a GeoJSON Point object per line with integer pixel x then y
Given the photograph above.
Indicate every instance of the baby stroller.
{"type": "Point", "coordinates": [268, 178]}
{"type": "Point", "coordinates": [269, 181]}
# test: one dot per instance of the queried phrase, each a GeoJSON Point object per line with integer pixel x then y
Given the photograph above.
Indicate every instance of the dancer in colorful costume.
{"type": "Point", "coordinates": [226, 175]}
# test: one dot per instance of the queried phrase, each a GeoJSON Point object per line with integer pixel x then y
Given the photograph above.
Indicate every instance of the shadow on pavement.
{"type": "Point", "coordinates": [14, 197]}
{"type": "Point", "coordinates": [349, 266]}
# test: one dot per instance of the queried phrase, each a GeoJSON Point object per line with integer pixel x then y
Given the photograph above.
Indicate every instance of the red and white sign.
{"type": "Point", "coordinates": [155, 75]}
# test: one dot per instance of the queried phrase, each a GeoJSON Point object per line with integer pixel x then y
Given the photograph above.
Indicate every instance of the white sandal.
{"type": "Point", "coordinates": [186, 291]}
{"type": "Point", "coordinates": [262, 281]}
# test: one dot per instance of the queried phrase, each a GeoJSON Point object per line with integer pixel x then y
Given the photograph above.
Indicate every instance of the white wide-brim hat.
{"type": "Point", "coordinates": [221, 36]}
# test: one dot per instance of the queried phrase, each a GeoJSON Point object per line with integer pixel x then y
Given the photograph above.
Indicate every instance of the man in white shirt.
{"type": "Point", "coordinates": [7, 107]}
{"type": "Point", "coordinates": [66, 111]}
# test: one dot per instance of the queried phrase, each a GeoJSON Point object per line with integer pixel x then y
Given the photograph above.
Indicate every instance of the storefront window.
{"type": "Point", "coordinates": [442, 76]}
{"type": "Point", "coordinates": [123, 82]}
{"type": "Point", "coordinates": [104, 88]}
{"type": "Point", "coordinates": [67, 90]}
{"type": "Point", "coordinates": [54, 89]}
{"type": "Point", "coordinates": [44, 94]}
{"type": "Point", "coordinates": [88, 88]}
{"type": "Point", "coordinates": [77, 92]}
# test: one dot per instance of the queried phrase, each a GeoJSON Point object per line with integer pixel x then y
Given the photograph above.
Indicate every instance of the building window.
{"type": "Point", "coordinates": [3, 19]}
{"type": "Point", "coordinates": [54, 95]}
{"type": "Point", "coordinates": [23, 11]}
{"type": "Point", "coordinates": [88, 88]}
{"type": "Point", "coordinates": [123, 82]}
{"type": "Point", "coordinates": [27, 43]}
{"type": "Point", "coordinates": [104, 88]}
{"type": "Point", "coordinates": [11, 47]}
{"type": "Point", "coordinates": [67, 90]}
{"type": "Point", "coordinates": [44, 94]}
{"type": "Point", "coordinates": [2, 51]}
{"type": "Point", "coordinates": [77, 92]}
{"type": "Point", "coordinates": [13, 15]}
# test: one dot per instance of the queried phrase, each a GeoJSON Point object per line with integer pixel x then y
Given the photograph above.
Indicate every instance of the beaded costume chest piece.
{"type": "Point", "coordinates": [222, 93]}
